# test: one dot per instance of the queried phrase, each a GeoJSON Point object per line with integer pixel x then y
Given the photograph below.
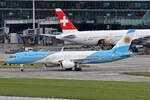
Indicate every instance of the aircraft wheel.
{"type": "Point", "coordinates": [78, 69]}
{"type": "Point", "coordinates": [68, 69]}
{"type": "Point", "coordinates": [22, 70]}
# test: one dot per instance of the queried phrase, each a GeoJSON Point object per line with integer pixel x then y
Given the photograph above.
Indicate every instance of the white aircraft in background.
{"type": "Point", "coordinates": [109, 37]}
{"type": "Point", "coordinates": [71, 59]}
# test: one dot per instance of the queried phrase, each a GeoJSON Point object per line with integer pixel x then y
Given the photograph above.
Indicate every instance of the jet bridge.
{"type": "Point", "coordinates": [32, 36]}
{"type": "Point", "coordinates": [47, 40]}
{"type": "Point", "coordinates": [4, 32]}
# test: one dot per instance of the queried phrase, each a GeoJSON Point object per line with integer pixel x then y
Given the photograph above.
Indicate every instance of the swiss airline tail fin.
{"type": "Point", "coordinates": [65, 23]}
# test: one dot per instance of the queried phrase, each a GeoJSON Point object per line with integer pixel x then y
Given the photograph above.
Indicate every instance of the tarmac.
{"type": "Point", "coordinates": [113, 71]}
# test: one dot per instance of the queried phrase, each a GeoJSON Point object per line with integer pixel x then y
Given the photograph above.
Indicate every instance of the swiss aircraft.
{"type": "Point", "coordinates": [72, 59]}
{"type": "Point", "coordinates": [106, 37]}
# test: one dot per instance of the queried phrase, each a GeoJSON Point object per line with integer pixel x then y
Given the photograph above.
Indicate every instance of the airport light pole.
{"type": "Point", "coordinates": [34, 14]}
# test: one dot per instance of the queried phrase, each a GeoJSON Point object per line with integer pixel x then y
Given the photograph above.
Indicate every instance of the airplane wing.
{"type": "Point", "coordinates": [48, 35]}
{"type": "Point", "coordinates": [70, 36]}
{"type": "Point", "coordinates": [86, 59]}
{"type": "Point", "coordinates": [80, 60]}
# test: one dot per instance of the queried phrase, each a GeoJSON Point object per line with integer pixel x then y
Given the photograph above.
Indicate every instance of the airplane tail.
{"type": "Point", "coordinates": [65, 23]}
{"type": "Point", "coordinates": [124, 43]}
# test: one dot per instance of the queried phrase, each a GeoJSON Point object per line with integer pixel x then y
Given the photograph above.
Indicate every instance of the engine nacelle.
{"type": "Point", "coordinates": [68, 64]}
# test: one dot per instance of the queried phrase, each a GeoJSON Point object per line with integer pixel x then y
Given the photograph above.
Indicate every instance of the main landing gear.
{"type": "Point", "coordinates": [77, 68]}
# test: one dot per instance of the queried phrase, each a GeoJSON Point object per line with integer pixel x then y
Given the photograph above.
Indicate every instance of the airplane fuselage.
{"type": "Point", "coordinates": [56, 57]}
{"type": "Point", "coordinates": [92, 37]}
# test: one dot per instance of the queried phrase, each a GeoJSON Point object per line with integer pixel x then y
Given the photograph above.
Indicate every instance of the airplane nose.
{"type": "Point", "coordinates": [10, 61]}
{"type": "Point", "coordinates": [7, 61]}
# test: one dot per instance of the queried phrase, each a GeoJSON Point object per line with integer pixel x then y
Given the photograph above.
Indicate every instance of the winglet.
{"type": "Point", "coordinates": [65, 23]}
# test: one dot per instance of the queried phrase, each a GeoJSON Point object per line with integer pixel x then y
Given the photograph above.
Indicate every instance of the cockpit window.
{"type": "Point", "coordinates": [12, 57]}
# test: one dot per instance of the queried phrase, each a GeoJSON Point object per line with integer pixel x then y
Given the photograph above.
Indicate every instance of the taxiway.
{"type": "Point", "coordinates": [114, 71]}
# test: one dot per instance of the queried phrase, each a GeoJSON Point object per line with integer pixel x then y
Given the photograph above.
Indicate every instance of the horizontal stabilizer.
{"type": "Point", "coordinates": [48, 35]}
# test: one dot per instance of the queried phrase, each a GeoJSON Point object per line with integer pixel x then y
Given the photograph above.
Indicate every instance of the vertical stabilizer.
{"type": "Point", "coordinates": [124, 43]}
{"type": "Point", "coordinates": [65, 23]}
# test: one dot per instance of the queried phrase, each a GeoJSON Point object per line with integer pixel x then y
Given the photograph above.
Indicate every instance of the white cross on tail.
{"type": "Point", "coordinates": [64, 21]}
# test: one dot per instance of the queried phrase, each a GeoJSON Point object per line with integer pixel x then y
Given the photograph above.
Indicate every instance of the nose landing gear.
{"type": "Point", "coordinates": [21, 67]}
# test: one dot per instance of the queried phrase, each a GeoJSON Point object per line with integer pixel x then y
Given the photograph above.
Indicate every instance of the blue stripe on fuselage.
{"type": "Point", "coordinates": [122, 49]}
{"type": "Point", "coordinates": [106, 56]}
{"type": "Point", "coordinates": [27, 57]}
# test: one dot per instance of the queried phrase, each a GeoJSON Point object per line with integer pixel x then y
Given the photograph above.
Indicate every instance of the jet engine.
{"type": "Point", "coordinates": [67, 64]}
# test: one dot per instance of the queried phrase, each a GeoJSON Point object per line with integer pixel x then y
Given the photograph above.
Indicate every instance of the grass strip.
{"type": "Point", "coordinates": [75, 89]}
{"type": "Point", "coordinates": [139, 73]}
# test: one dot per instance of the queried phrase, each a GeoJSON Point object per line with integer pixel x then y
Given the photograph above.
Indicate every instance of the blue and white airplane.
{"type": "Point", "coordinates": [72, 59]}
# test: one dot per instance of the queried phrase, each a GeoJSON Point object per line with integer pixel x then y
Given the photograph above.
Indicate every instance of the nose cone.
{"type": "Point", "coordinates": [10, 61]}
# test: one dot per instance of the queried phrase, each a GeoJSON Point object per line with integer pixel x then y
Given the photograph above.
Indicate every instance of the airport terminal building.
{"type": "Point", "coordinates": [85, 14]}
{"type": "Point", "coordinates": [16, 18]}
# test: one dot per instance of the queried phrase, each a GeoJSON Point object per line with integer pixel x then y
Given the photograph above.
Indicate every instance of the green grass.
{"type": "Point", "coordinates": [139, 73]}
{"type": "Point", "coordinates": [83, 90]}
{"type": "Point", "coordinates": [84, 66]}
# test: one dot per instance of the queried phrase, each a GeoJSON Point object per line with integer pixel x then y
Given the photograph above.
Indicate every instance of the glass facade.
{"type": "Point", "coordinates": [96, 12]}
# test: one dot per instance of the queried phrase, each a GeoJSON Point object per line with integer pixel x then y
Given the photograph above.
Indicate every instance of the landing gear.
{"type": "Point", "coordinates": [68, 69]}
{"type": "Point", "coordinates": [21, 68]}
{"type": "Point", "coordinates": [77, 68]}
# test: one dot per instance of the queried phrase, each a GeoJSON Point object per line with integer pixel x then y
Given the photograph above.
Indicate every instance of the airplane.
{"type": "Point", "coordinates": [72, 59]}
{"type": "Point", "coordinates": [96, 38]}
